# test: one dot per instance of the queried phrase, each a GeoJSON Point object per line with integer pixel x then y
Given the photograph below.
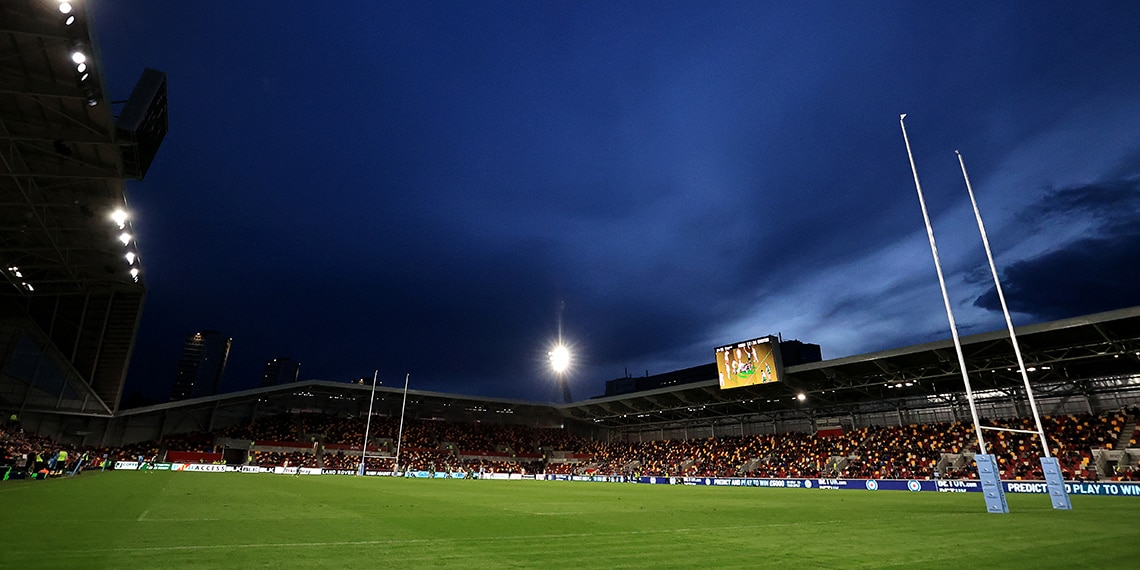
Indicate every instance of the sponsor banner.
{"type": "Point", "coordinates": [592, 478]}
{"type": "Point", "coordinates": [1035, 487]}
{"type": "Point", "coordinates": [837, 484]}
{"type": "Point", "coordinates": [746, 482]}
{"type": "Point", "coordinates": [1075, 488]}
{"type": "Point", "coordinates": [958, 486]}
{"type": "Point", "coordinates": [911, 485]}
{"type": "Point", "coordinates": [1112, 489]}
{"type": "Point", "coordinates": [498, 476]}
{"type": "Point", "coordinates": [1127, 489]}
{"type": "Point", "coordinates": [297, 470]}
{"type": "Point", "coordinates": [204, 467]}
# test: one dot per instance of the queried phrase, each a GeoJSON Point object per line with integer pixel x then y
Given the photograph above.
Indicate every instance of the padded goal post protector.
{"type": "Point", "coordinates": [1055, 482]}
{"type": "Point", "coordinates": [991, 484]}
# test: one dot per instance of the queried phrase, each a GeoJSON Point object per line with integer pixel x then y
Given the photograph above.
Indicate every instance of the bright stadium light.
{"type": "Point", "coordinates": [801, 396]}
{"type": "Point", "coordinates": [81, 67]}
{"type": "Point", "coordinates": [125, 238]}
{"type": "Point", "coordinates": [65, 7]}
{"type": "Point", "coordinates": [70, 20]}
{"type": "Point", "coordinates": [130, 258]}
{"type": "Point", "coordinates": [78, 57]}
{"type": "Point", "coordinates": [560, 359]}
{"type": "Point", "coordinates": [119, 217]}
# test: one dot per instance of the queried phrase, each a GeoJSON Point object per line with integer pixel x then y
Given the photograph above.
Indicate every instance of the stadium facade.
{"type": "Point", "coordinates": [73, 281]}
{"type": "Point", "coordinates": [70, 307]}
{"type": "Point", "coordinates": [1086, 364]}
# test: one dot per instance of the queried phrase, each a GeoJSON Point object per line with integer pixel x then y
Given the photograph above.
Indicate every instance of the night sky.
{"type": "Point", "coordinates": [417, 187]}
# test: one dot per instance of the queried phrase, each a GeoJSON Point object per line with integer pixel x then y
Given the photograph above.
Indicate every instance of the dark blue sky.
{"type": "Point", "coordinates": [415, 187]}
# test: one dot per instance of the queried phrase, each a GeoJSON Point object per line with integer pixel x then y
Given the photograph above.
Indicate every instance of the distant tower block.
{"type": "Point", "coordinates": [203, 362]}
{"type": "Point", "coordinates": [280, 370]}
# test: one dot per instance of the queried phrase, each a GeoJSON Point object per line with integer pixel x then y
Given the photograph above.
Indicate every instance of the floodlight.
{"type": "Point", "coordinates": [560, 359]}
{"type": "Point", "coordinates": [801, 397]}
{"type": "Point", "coordinates": [65, 7]}
{"type": "Point", "coordinates": [81, 67]}
{"type": "Point", "coordinates": [84, 76]}
{"type": "Point", "coordinates": [125, 238]}
{"type": "Point", "coordinates": [130, 258]}
{"type": "Point", "coordinates": [119, 217]}
{"type": "Point", "coordinates": [70, 20]}
{"type": "Point", "coordinates": [135, 273]}
{"type": "Point", "coordinates": [78, 57]}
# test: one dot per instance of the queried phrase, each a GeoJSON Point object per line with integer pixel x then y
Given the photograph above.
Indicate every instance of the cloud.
{"type": "Point", "coordinates": [1096, 273]}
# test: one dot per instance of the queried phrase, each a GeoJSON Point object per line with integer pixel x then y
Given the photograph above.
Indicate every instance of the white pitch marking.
{"type": "Point", "coordinates": [343, 543]}
{"type": "Point", "coordinates": [143, 515]}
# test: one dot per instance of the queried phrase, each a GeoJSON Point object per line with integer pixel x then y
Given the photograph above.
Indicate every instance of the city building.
{"type": "Point", "coordinates": [200, 369]}
{"type": "Point", "coordinates": [280, 370]}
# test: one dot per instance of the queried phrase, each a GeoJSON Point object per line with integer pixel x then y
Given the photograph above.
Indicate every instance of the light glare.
{"type": "Point", "coordinates": [65, 7]}
{"type": "Point", "coordinates": [125, 238]}
{"type": "Point", "coordinates": [78, 57]}
{"type": "Point", "coordinates": [560, 359]}
{"type": "Point", "coordinates": [119, 217]}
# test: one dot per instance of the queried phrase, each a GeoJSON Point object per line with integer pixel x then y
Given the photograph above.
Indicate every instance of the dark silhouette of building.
{"type": "Point", "coordinates": [200, 369]}
{"type": "Point", "coordinates": [280, 370]}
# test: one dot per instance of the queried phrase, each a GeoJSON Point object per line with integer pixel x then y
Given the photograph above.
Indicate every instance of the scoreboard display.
{"type": "Point", "coordinates": [749, 362]}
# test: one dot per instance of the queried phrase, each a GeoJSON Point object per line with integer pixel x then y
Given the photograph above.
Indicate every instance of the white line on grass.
{"type": "Point", "coordinates": [143, 515]}
{"type": "Point", "coordinates": [391, 542]}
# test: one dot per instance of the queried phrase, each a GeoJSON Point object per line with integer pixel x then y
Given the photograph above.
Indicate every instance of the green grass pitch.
{"type": "Point", "coordinates": [237, 520]}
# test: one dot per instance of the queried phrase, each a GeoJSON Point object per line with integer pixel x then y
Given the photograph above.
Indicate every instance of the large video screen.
{"type": "Point", "coordinates": [748, 363]}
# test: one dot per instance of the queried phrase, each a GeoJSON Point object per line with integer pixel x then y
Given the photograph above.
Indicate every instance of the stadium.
{"type": "Point", "coordinates": [670, 470]}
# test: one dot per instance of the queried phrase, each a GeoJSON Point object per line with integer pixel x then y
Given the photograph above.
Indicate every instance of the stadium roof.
{"type": "Point", "coordinates": [1064, 357]}
{"type": "Point", "coordinates": [1060, 356]}
{"type": "Point", "coordinates": [70, 306]}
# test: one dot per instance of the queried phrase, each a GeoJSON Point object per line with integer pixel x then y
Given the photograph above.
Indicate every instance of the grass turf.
{"type": "Point", "coordinates": [165, 519]}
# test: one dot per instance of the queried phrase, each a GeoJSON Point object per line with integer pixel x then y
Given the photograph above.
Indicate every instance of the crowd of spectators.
{"type": "Point", "coordinates": [885, 452]}
{"type": "Point", "coordinates": [33, 455]}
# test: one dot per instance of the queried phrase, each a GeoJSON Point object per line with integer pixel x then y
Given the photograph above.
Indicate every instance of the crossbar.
{"type": "Point", "coordinates": [1029, 431]}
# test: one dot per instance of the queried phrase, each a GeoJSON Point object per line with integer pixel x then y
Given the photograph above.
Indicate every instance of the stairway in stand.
{"type": "Point", "coordinates": [1126, 434]}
